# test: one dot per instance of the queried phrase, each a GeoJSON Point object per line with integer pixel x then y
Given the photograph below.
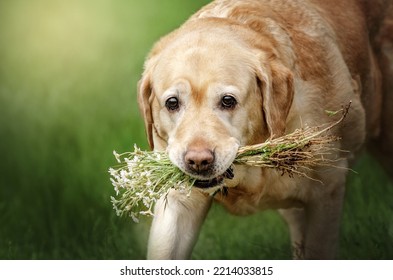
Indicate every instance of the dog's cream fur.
{"type": "Point", "coordinates": [285, 63]}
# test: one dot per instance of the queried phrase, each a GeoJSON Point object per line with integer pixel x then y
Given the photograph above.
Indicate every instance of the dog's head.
{"type": "Point", "coordinates": [205, 92]}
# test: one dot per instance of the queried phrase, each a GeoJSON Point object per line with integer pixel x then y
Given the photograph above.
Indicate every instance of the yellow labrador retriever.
{"type": "Point", "coordinates": [239, 72]}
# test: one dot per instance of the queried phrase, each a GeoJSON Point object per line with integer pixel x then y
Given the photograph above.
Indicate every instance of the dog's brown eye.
{"type": "Point", "coordinates": [172, 104]}
{"type": "Point", "coordinates": [228, 102]}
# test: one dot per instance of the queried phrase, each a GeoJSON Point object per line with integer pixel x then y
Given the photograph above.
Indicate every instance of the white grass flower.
{"type": "Point", "coordinates": [134, 217]}
{"type": "Point", "coordinates": [147, 213]}
{"type": "Point", "coordinates": [146, 201]}
{"type": "Point", "coordinates": [112, 172]}
{"type": "Point", "coordinates": [117, 156]}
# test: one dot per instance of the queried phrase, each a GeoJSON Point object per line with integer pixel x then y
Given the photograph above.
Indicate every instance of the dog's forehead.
{"type": "Point", "coordinates": [203, 60]}
{"type": "Point", "coordinates": [185, 88]}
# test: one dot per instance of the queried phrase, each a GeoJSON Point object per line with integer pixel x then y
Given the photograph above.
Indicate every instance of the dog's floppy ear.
{"type": "Point", "coordinates": [144, 102]}
{"type": "Point", "coordinates": [277, 89]}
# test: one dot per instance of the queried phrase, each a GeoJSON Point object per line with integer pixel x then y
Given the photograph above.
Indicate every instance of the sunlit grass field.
{"type": "Point", "coordinates": [68, 75]}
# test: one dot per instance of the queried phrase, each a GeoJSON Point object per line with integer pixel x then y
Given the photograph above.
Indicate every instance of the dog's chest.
{"type": "Point", "coordinates": [260, 189]}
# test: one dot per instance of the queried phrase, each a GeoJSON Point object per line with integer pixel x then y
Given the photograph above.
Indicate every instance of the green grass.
{"type": "Point", "coordinates": [68, 74]}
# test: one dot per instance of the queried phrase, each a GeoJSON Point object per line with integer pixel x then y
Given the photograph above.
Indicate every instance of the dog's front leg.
{"type": "Point", "coordinates": [314, 229]}
{"type": "Point", "coordinates": [177, 221]}
{"type": "Point", "coordinates": [322, 224]}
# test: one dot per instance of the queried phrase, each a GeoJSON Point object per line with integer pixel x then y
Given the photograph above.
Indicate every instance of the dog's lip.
{"type": "Point", "coordinates": [205, 184]}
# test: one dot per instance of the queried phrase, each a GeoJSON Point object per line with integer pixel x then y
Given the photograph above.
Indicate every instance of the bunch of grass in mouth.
{"type": "Point", "coordinates": [143, 177]}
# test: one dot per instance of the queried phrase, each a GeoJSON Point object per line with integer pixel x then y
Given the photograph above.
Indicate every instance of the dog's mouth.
{"type": "Point", "coordinates": [206, 184]}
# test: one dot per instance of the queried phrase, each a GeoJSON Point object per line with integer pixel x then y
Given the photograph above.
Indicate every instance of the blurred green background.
{"type": "Point", "coordinates": [68, 75]}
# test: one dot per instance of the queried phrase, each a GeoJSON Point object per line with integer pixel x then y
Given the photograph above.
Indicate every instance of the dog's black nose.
{"type": "Point", "coordinates": [199, 161]}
